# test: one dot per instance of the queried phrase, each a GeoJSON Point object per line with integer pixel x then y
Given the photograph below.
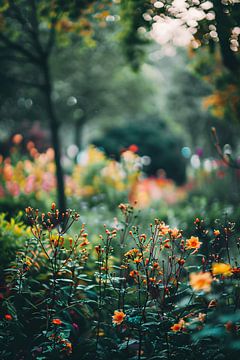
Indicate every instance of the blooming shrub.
{"type": "Point", "coordinates": [32, 175]}
{"type": "Point", "coordinates": [95, 179]}
{"type": "Point", "coordinates": [153, 294]}
{"type": "Point", "coordinates": [31, 179]}
{"type": "Point", "coordinates": [149, 190]}
{"type": "Point", "coordinates": [103, 179]}
{"type": "Point", "coordinates": [95, 176]}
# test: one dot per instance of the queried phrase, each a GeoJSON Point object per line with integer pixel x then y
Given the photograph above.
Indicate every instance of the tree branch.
{"type": "Point", "coordinates": [21, 81]}
{"type": "Point", "coordinates": [35, 25]}
{"type": "Point", "coordinates": [18, 48]}
{"type": "Point", "coordinates": [226, 159]}
{"type": "Point", "coordinates": [224, 32]}
{"type": "Point", "coordinates": [8, 57]}
{"type": "Point", "coordinates": [30, 25]}
{"type": "Point", "coordinates": [51, 36]}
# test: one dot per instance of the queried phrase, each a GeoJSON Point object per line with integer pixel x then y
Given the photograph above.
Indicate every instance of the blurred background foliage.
{"type": "Point", "coordinates": [80, 73]}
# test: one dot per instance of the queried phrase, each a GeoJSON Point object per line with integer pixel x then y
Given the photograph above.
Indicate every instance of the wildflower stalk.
{"type": "Point", "coordinates": [128, 218]}
{"type": "Point", "coordinates": [99, 261]}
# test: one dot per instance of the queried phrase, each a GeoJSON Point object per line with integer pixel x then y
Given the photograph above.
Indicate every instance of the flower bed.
{"type": "Point", "coordinates": [132, 294]}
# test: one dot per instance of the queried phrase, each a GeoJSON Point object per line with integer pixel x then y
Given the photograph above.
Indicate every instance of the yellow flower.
{"type": "Point", "coordinates": [193, 243]}
{"type": "Point", "coordinates": [201, 281]}
{"type": "Point", "coordinates": [18, 230]}
{"type": "Point", "coordinates": [221, 269]}
{"type": "Point", "coordinates": [101, 332]}
{"type": "Point", "coordinates": [118, 317]}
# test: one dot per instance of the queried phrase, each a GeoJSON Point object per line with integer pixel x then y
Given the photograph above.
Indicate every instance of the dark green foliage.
{"type": "Point", "coordinates": [132, 20]}
{"type": "Point", "coordinates": [12, 205]}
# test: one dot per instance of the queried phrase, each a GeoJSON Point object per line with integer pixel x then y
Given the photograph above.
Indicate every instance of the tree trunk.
{"type": "Point", "coordinates": [78, 134]}
{"type": "Point", "coordinates": [54, 128]}
{"type": "Point", "coordinates": [224, 32]}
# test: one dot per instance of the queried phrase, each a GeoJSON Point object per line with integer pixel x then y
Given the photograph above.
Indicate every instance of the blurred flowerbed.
{"type": "Point", "coordinates": [96, 184]}
{"type": "Point", "coordinates": [95, 178]}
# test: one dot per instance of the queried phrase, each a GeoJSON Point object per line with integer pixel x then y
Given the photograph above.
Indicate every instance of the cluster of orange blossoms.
{"type": "Point", "coordinates": [184, 323]}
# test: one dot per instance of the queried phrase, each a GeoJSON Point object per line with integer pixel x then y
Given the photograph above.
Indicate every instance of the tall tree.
{"type": "Point", "coordinates": [30, 33]}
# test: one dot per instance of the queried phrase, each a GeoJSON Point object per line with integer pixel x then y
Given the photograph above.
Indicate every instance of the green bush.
{"type": "Point", "coordinates": [13, 234]}
{"type": "Point", "coordinates": [154, 139]}
{"type": "Point", "coordinates": [11, 205]}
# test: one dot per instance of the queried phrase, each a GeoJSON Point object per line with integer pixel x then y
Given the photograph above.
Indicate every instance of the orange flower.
{"type": "Point", "coordinates": [137, 260]}
{"type": "Point", "coordinates": [176, 327]}
{"type": "Point", "coordinates": [216, 232]}
{"type": "Point", "coordinates": [56, 321]}
{"type": "Point", "coordinates": [221, 269]}
{"type": "Point", "coordinates": [68, 347]}
{"type": "Point", "coordinates": [201, 281]}
{"type": "Point", "coordinates": [118, 317]}
{"type": "Point", "coordinates": [179, 326]}
{"type": "Point", "coordinates": [133, 273]}
{"type": "Point", "coordinates": [163, 229]}
{"type": "Point", "coordinates": [17, 139]}
{"type": "Point", "coordinates": [53, 206]}
{"type": "Point", "coordinates": [167, 246]}
{"type": "Point", "coordinates": [193, 243]}
{"type": "Point", "coordinates": [175, 233]}
{"type": "Point", "coordinates": [8, 317]}
{"type": "Point", "coordinates": [235, 270]}
{"type": "Point", "coordinates": [84, 243]}
{"type": "Point", "coordinates": [131, 253]}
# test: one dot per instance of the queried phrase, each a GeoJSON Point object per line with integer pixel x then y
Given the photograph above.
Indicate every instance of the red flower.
{"type": "Point", "coordinates": [56, 321]}
{"type": "Point", "coordinates": [8, 317]}
{"type": "Point", "coordinates": [133, 148]}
